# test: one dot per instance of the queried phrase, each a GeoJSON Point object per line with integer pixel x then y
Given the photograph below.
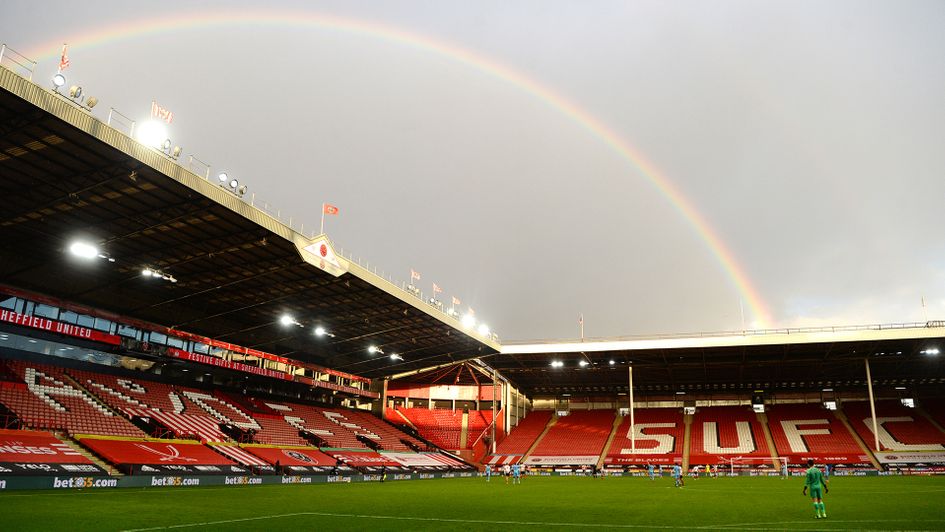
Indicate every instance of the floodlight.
{"type": "Point", "coordinates": [234, 183]}
{"type": "Point", "coordinates": [611, 362]}
{"type": "Point", "coordinates": [84, 250]}
{"type": "Point", "coordinates": [320, 331]}
{"type": "Point", "coordinates": [483, 329]}
{"type": "Point", "coordinates": [468, 321]}
{"type": "Point", "coordinates": [91, 102]}
{"type": "Point", "coordinates": [242, 190]}
{"type": "Point", "coordinates": [223, 177]}
{"type": "Point", "coordinates": [75, 92]}
{"type": "Point", "coordinates": [58, 80]}
{"type": "Point", "coordinates": [147, 272]}
{"type": "Point", "coordinates": [395, 356]}
{"type": "Point", "coordinates": [287, 319]}
{"type": "Point", "coordinates": [583, 363]}
{"type": "Point", "coordinates": [175, 153]}
{"type": "Point", "coordinates": [930, 351]}
{"type": "Point", "coordinates": [557, 363]}
{"type": "Point", "coordinates": [166, 145]}
{"type": "Point", "coordinates": [152, 133]}
{"type": "Point", "coordinates": [374, 349]}
{"type": "Point", "coordinates": [680, 393]}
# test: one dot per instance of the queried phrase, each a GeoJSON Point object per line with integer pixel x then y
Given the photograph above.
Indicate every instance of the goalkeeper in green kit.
{"type": "Point", "coordinates": [818, 487]}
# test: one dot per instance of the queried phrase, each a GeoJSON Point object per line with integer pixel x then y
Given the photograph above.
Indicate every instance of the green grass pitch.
{"type": "Point", "coordinates": [553, 503]}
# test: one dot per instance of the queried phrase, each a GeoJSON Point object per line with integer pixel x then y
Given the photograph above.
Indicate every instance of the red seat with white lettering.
{"type": "Point", "coordinates": [900, 428]}
{"type": "Point", "coordinates": [722, 432]}
{"type": "Point", "coordinates": [33, 452]}
{"type": "Point", "coordinates": [802, 431]}
{"type": "Point", "coordinates": [659, 435]}
{"type": "Point", "coordinates": [46, 400]}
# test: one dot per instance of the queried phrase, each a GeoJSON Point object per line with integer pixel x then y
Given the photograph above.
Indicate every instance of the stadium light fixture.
{"type": "Point", "coordinates": [148, 272]}
{"type": "Point", "coordinates": [75, 92]}
{"type": "Point", "coordinates": [557, 364]}
{"type": "Point", "coordinates": [930, 351]}
{"type": "Point", "coordinates": [468, 321]}
{"type": "Point", "coordinates": [611, 362]}
{"type": "Point", "coordinates": [680, 393]}
{"type": "Point", "coordinates": [152, 133]}
{"type": "Point", "coordinates": [287, 319]}
{"type": "Point", "coordinates": [373, 349]}
{"type": "Point", "coordinates": [91, 102]}
{"type": "Point", "coordinates": [320, 331]}
{"type": "Point", "coordinates": [58, 81]}
{"type": "Point", "coordinates": [234, 183]}
{"type": "Point", "coordinates": [84, 250]}
{"type": "Point", "coordinates": [223, 177]}
{"type": "Point", "coordinates": [395, 356]}
{"type": "Point", "coordinates": [483, 329]}
{"type": "Point", "coordinates": [583, 363]}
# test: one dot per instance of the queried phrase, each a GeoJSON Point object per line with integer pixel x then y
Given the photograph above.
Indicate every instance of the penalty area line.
{"type": "Point", "coordinates": [407, 518]}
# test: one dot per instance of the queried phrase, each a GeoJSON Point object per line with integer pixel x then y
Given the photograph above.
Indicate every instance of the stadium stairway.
{"type": "Point", "coordinates": [95, 459]}
{"type": "Point", "coordinates": [610, 440]}
{"type": "Point", "coordinates": [856, 437]}
{"type": "Point", "coordinates": [551, 423]}
{"type": "Point", "coordinates": [687, 439]}
{"type": "Point", "coordinates": [763, 419]}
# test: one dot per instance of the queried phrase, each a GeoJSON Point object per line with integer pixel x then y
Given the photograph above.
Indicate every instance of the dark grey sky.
{"type": "Point", "coordinates": [808, 135]}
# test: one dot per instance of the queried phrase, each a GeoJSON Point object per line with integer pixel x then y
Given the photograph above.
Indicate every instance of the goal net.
{"type": "Point", "coordinates": [756, 466]}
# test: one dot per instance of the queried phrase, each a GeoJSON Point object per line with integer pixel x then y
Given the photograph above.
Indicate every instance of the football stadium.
{"type": "Point", "coordinates": [175, 356]}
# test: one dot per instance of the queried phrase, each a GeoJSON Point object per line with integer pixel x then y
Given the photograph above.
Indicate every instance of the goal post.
{"type": "Point", "coordinates": [757, 466]}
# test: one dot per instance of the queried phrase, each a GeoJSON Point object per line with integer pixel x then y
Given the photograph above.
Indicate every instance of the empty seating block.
{"type": "Point", "coordinates": [802, 431]}
{"type": "Point", "coordinates": [723, 432]}
{"type": "Point", "coordinates": [899, 428]}
{"type": "Point", "coordinates": [659, 435]}
{"type": "Point", "coordinates": [582, 433]}
{"type": "Point", "coordinates": [525, 433]}
{"type": "Point", "coordinates": [442, 427]}
{"type": "Point", "coordinates": [46, 400]}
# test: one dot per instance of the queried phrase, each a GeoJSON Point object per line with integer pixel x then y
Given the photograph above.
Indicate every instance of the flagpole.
{"type": "Point", "coordinates": [322, 230]}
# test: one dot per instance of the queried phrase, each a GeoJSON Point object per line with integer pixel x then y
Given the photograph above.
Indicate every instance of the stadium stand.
{"type": "Point", "coordinates": [442, 427]}
{"type": "Point", "coordinates": [34, 452]}
{"type": "Point", "coordinates": [522, 437]}
{"type": "Point", "coordinates": [186, 412]}
{"type": "Point", "coordinates": [578, 437]}
{"type": "Point", "coordinates": [160, 456]}
{"type": "Point", "coordinates": [722, 432]}
{"type": "Point", "coordinates": [44, 399]}
{"type": "Point", "coordinates": [900, 428]}
{"type": "Point", "coordinates": [660, 436]}
{"type": "Point", "coordinates": [802, 431]}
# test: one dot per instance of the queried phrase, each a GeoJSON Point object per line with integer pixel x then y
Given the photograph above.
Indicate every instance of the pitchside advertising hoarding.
{"type": "Point", "coordinates": [892, 458]}
{"type": "Point", "coordinates": [561, 460]}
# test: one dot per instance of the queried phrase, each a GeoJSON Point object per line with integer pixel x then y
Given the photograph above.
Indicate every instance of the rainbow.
{"type": "Point", "coordinates": [256, 18]}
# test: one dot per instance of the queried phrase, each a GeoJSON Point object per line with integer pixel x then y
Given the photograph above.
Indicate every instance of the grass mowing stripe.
{"type": "Point", "coordinates": [408, 518]}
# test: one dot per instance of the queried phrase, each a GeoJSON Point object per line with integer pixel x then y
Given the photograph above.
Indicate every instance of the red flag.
{"type": "Point", "coordinates": [456, 301]}
{"type": "Point", "coordinates": [414, 276]}
{"type": "Point", "coordinates": [328, 208]}
{"type": "Point", "coordinates": [436, 289]}
{"type": "Point", "coordinates": [64, 60]}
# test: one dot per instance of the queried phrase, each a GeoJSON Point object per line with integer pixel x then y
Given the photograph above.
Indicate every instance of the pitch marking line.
{"type": "Point", "coordinates": [736, 526]}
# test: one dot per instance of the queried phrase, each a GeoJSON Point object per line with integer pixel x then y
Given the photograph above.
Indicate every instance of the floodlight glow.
{"type": "Point", "coordinates": [374, 349]}
{"type": "Point", "coordinates": [583, 363]}
{"type": "Point", "coordinates": [223, 177]}
{"type": "Point", "coordinates": [483, 329]}
{"type": "Point", "coordinates": [930, 351]}
{"type": "Point", "coordinates": [395, 356]}
{"type": "Point", "coordinates": [234, 183]}
{"type": "Point", "coordinates": [84, 250]}
{"type": "Point", "coordinates": [287, 320]}
{"type": "Point", "coordinates": [557, 363]}
{"type": "Point", "coordinates": [166, 145]}
{"type": "Point", "coordinates": [320, 331]}
{"type": "Point", "coordinates": [468, 321]}
{"type": "Point", "coordinates": [152, 133]}
{"type": "Point", "coordinates": [611, 362]}
{"type": "Point", "coordinates": [58, 80]}
{"type": "Point", "coordinates": [147, 272]}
